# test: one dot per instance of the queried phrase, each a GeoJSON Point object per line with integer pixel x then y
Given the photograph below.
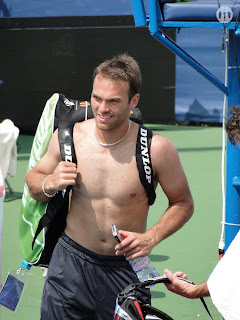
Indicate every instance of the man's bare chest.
{"type": "Point", "coordinates": [109, 174]}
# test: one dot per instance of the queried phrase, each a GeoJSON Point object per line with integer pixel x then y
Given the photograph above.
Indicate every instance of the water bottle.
{"type": "Point", "coordinates": [11, 291]}
{"type": "Point", "coordinates": [143, 268]}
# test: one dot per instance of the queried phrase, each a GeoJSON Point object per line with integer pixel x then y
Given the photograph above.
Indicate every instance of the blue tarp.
{"type": "Point", "coordinates": [196, 98]}
{"type": "Point", "coordinates": [61, 8]}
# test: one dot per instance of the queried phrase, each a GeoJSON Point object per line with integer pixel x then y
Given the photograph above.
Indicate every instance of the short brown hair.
{"type": "Point", "coordinates": [122, 67]}
{"type": "Point", "coordinates": [232, 124]}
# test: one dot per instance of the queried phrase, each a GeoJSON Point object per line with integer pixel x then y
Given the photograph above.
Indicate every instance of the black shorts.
{"type": "Point", "coordinates": [82, 284]}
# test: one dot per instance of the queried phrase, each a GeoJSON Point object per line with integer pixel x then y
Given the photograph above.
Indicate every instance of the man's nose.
{"type": "Point", "coordinates": [103, 107]}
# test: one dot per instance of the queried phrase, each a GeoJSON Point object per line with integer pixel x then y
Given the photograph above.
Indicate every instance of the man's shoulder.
{"type": "Point", "coordinates": [161, 143]}
{"type": "Point", "coordinates": [84, 125]}
{"type": "Point", "coordinates": [158, 141]}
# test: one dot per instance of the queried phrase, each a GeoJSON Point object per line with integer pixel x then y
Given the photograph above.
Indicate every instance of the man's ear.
{"type": "Point", "coordinates": [134, 101]}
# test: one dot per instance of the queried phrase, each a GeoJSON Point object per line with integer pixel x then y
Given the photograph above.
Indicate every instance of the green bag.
{"type": "Point", "coordinates": [31, 210]}
{"type": "Point", "coordinates": [42, 223]}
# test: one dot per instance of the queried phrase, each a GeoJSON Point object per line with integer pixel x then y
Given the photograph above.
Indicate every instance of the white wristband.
{"type": "Point", "coordinates": [47, 194]}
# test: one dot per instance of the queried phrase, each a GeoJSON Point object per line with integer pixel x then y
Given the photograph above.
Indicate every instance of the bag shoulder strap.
{"type": "Point", "coordinates": [52, 209]}
{"type": "Point", "coordinates": [65, 139]}
{"type": "Point", "coordinates": [144, 164]}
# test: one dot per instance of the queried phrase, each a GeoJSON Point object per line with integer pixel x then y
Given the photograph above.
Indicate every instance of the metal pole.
{"type": "Point", "coordinates": [139, 13]}
{"type": "Point", "coordinates": [233, 152]}
{"type": "Point", "coordinates": [170, 44]}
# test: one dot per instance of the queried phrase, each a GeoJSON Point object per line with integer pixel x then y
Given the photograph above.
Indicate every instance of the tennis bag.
{"type": "Point", "coordinates": [41, 223]}
{"type": "Point", "coordinates": [130, 304]}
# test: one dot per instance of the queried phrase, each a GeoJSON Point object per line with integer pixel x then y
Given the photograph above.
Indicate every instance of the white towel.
{"type": "Point", "coordinates": [8, 149]}
{"type": "Point", "coordinates": [224, 282]}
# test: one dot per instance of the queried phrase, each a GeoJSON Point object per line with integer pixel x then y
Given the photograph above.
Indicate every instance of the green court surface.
{"type": "Point", "coordinates": [193, 249]}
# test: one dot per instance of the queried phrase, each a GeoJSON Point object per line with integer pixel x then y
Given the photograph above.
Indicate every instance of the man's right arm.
{"type": "Point", "coordinates": [50, 173]}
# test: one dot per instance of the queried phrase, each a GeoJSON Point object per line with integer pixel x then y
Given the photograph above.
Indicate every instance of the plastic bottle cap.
{"type": "Point", "coordinates": [1, 191]}
{"type": "Point", "coordinates": [26, 265]}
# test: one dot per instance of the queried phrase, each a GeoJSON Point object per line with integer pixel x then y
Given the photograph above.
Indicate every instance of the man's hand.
{"type": "Point", "coordinates": [177, 286]}
{"type": "Point", "coordinates": [65, 174]}
{"type": "Point", "coordinates": [184, 288]}
{"type": "Point", "coordinates": [134, 245]}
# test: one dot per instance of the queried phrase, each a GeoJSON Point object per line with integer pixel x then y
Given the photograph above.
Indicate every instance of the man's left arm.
{"type": "Point", "coordinates": [169, 174]}
{"type": "Point", "coordinates": [171, 177]}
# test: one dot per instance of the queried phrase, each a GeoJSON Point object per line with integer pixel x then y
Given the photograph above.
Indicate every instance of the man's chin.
{"type": "Point", "coordinates": [103, 126]}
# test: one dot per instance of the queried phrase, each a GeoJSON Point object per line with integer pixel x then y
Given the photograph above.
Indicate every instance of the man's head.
{"type": "Point", "coordinates": [122, 67]}
{"type": "Point", "coordinates": [232, 126]}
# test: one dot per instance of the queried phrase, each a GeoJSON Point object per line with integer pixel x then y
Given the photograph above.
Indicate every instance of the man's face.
{"type": "Point", "coordinates": [110, 102]}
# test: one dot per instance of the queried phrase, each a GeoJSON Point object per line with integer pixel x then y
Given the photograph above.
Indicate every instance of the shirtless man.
{"type": "Point", "coordinates": [88, 268]}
